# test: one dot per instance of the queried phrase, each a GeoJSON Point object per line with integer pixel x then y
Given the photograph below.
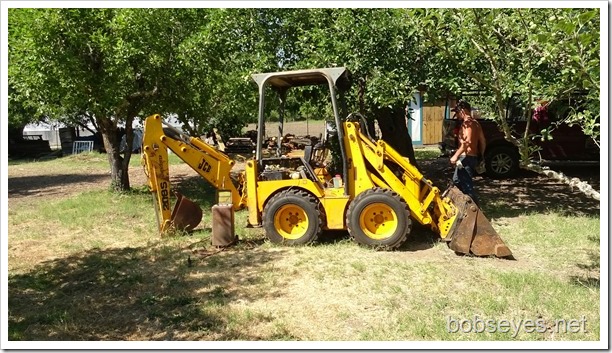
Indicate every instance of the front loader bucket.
{"type": "Point", "coordinates": [186, 214]}
{"type": "Point", "coordinates": [472, 232]}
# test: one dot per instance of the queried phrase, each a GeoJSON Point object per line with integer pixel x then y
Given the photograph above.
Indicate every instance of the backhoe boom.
{"type": "Point", "coordinates": [213, 165]}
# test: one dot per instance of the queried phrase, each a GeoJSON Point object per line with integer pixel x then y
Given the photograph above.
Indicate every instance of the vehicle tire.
{"type": "Point", "coordinates": [502, 162]}
{"type": "Point", "coordinates": [379, 218]}
{"type": "Point", "coordinates": [292, 217]}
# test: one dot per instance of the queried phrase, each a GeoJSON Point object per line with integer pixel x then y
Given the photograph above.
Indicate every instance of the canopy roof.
{"type": "Point", "coordinates": [287, 79]}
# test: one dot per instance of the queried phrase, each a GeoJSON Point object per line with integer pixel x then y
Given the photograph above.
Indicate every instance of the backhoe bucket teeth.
{"type": "Point", "coordinates": [186, 214]}
{"type": "Point", "coordinates": [473, 233]}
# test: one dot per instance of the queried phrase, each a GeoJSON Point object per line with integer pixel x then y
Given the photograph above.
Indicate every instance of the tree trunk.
{"type": "Point", "coordinates": [392, 123]}
{"type": "Point", "coordinates": [120, 180]}
{"type": "Point", "coordinates": [129, 139]}
{"type": "Point", "coordinates": [15, 133]}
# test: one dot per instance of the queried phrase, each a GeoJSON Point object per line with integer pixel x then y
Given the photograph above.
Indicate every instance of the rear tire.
{"type": "Point", "coordinates": [502, 162]}
{"type": "Point", "coordinates": [379, 218]}
{"type": "Point", "coordinates": [292, 217]}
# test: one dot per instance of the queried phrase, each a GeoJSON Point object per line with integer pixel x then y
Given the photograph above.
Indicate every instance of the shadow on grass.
{"type": "Point", "coordinates": [533, 193]}
{"type": "Point", "coordinates": [20, 161]}
{"type": "Point", "coordinates": [139, 294]}
{"type": "Point", "coordinates": [591, 269]}
{"type": "Point", "coordinates": [420, 238]}
{"type": "Point", "coordinates": [197, 190]}
{"type": "Point", "coordinates": [528, 192]}
{"type": "Point", "coordinates": [49, 184]}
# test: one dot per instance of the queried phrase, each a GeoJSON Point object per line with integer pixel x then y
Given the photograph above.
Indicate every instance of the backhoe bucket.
{"type": "Point", "coordinates": [186, 214]}
{"type": "Point", "coordinates": [472, 232]}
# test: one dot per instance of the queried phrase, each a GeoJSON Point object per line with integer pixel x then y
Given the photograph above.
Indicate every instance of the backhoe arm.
{"type": "Point", "coordinates": [212, 165]}
{"type": "Point", "coordinates": [156, 168]}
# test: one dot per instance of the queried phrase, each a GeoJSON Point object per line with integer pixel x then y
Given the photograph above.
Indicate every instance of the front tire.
{"type": "Point", "coordinates": [292, 217]}
{"type": "Point", "coordinates": [379, 218]}
{"type": "Point", "coordinates": [502, 162]}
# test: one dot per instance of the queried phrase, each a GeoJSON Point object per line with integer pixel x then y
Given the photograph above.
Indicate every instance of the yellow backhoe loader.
{"type": "Point", "coordinates": [376, 198]}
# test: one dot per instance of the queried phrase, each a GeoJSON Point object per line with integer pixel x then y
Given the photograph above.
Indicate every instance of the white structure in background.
{"type": "Point", "coordinates": [415, 122]}
{"type": "Point", "coordinates": [82, 146]}
{"type": "Point", "coordinates": [51, 131]}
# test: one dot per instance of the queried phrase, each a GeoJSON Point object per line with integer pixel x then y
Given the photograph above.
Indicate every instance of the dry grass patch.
{"type": "Point", "coordinates": [91, 266]}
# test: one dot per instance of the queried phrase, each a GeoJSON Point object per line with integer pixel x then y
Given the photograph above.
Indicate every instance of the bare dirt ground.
{"type": "Point", "coordinates": [526, 193]}
{"type": "Point", "coordinates": [40, 183]}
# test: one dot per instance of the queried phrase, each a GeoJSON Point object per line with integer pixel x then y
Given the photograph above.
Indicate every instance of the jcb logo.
{"type": "Point", "coordinates": [165, 195]}
{"type": "Point", "coordinates": [204, 166]}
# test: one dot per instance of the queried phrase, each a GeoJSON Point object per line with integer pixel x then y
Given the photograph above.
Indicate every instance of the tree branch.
{"type": "Point", "coordinates": [505, 40]}
{"type": "Point", "coordinates": [487, 47]}
{"type": "Point", "coordinates": [479, 78]}
{"type": "Point", "coordinates": [132, 99]}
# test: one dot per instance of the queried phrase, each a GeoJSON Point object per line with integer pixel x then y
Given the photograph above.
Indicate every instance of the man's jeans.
{"type": "Point", "coordinates": [462, 178]}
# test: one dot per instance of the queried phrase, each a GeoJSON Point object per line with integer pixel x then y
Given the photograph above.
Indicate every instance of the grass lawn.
{"type": "Point", "coordinates": [91, 266]}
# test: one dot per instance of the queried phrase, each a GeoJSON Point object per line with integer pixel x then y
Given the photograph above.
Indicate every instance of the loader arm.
{"type": "Point", "coordinates": [424, 199]}
{"type": "Point", "coordinates": [212, 165]}
{"type": "Point", "coordinates": [451, 214]}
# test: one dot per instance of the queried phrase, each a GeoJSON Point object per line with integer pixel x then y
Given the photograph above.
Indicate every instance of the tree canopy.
{"type": "Point", "coordinates": [111, 66]}
{"type": "Point", "coordinates": [537, 53]}
{"type": "Point", "coordinates": [103, 65]}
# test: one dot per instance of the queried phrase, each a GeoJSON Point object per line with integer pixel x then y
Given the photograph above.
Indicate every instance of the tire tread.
{"type": "Point", "coordinates": [303, 194]}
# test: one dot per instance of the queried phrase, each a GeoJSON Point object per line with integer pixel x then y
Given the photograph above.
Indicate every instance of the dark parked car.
{"type": "Point", "coordinates": [569, 144]}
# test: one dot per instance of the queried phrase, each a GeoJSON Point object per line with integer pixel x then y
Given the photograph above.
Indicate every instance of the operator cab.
{"type": "Point", "coordinates": [280, 167]}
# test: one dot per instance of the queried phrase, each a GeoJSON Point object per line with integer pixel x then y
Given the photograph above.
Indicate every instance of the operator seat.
{"type": "Point", "coordinates": [308, 153]}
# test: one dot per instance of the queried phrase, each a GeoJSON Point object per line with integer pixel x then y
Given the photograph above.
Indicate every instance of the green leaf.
{"type": "Point", "coordinates": [588, 16]}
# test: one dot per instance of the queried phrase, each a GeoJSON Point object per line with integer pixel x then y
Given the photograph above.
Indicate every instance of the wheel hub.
{"type": "Point", "coordinates": [501, 163]}
{"type": "Point", "coordinates": [378, 221]}
{"type": "Point", "coordinates": [291, 221]}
